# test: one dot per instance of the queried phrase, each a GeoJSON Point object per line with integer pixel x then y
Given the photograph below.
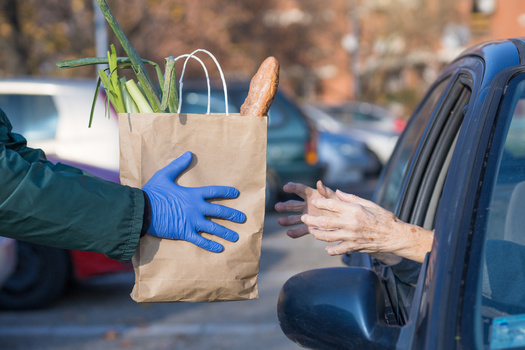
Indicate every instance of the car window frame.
{"type": "Point", "coordinates": [438, 150]}
{"type": "Point", "coordinates": [426, 150]}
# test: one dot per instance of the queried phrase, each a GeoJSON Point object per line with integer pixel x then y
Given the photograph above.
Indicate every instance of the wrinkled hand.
{"type": "Point", "coordinates": [363, 226]}
{"type": "Point", "coordinates": [303, 207]}
{"type": "Point", "coordinates": [179, 212]}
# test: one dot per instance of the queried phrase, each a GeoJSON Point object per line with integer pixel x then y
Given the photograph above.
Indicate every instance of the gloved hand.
{"type": "Point", "coordinates": [179, 212]}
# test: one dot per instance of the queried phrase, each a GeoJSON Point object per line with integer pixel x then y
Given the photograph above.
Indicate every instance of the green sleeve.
{"type": "Point", "coordinates": [62, 207]}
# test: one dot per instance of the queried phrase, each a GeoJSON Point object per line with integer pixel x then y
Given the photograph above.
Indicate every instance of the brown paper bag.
{"type": "Point", "coordinates": [228, 150]}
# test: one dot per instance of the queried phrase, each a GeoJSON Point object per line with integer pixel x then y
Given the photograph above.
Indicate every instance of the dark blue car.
{"type": "Point", "coordinates": [459, 169]}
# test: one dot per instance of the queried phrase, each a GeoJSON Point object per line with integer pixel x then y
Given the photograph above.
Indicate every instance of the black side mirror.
{"type": "Point", "coordinates": [336, 308]}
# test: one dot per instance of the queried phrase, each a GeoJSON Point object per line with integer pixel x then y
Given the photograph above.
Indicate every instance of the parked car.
{"type": "Point", "coordinates": [459, 169]}
{"type": "Point", "coordinates": [366, 115]}
{"type": "Point", "coordinates": [292, 139]}
{"type": "Point", "coordinates": [346, 160]}
{"type": "Point", "coordinates": [53, 115]}
{"type": "Point", "coordinates": [374, 125]}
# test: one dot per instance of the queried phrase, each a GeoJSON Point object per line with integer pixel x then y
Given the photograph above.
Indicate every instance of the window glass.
{"type": "Point", "coordinates": [33, 116]}
{"type": "Point", "coordinates": [279, 111]}
{"type": "Point", "coordinates": [502, 287]}
{"type": "Point", "coordinates": [361, 117]}
{"type": "Point", "coordinates": [392, 181]}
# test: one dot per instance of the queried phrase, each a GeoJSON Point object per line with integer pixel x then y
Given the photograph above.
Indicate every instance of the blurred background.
{"type": "Point", "coordinates": [382, 51]}
{"type": "Point", "coordinates": [352, 72]}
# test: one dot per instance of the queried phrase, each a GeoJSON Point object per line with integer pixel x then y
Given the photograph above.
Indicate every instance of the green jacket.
{"type": "Point", "coordinates": [61, 206]}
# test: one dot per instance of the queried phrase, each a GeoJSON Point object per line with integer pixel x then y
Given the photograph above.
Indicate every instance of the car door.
{"type": "Point", "coordinates": [443, 175]}
{"type": "Point", "coordinates": [452, 297]}
{"type": "Point", "coordinates": [492, 301]}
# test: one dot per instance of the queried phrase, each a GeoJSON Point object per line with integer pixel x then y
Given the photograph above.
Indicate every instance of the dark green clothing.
{"type": "Point", "coordinates": [61, 206]}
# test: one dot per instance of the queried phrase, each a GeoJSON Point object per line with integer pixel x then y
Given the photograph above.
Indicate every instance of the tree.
{"type": "Point", "coordinates": [35, 34]}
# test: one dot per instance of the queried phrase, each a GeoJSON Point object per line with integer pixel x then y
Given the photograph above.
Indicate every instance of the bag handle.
{"type": "Point", "coordinates": [205, 72]}
{"type": "Point", "coordinates": [192, 55]}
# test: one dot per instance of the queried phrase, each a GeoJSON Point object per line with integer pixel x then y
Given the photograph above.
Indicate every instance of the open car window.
{"type": "Point", "coordinates": [420, 197]}
{"type": "Point", "coordinates": [392, 180]}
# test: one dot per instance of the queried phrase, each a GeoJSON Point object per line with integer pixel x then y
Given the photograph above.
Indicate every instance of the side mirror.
{"type": "Point", "coordinates": [336, 308]}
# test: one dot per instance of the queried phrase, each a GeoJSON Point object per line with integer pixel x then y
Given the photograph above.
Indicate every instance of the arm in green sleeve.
{"type": "Point", "coordinates": [61, 207]}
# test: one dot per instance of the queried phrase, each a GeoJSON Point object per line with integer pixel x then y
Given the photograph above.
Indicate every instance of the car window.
{"type": "Point", "coordinates": [279, 111]}
{"type": "Point", "coordinates": [423, 188]}
{"type": "Point", "coordinates": [34, 116]}
{"type": "Point", "coordinates": [500, 287]}
{"type": "Point", "coordinates": [390, 186]}
{"type": "Point", "coordinates": [361, 117]}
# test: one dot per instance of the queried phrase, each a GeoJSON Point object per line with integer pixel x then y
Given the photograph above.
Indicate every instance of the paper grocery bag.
{"type": "Point", "coordinates": [228, 150]}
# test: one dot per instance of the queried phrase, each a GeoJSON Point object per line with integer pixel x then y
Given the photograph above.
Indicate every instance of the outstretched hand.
{"type": "Point", "coordinates": [302, 207]}
{"type": "Point", "coordinates": [179, 212]}
{"type": "Point", "coordinates": [363, 226]}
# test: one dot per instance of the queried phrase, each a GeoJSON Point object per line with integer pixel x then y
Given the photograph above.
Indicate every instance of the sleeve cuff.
{"type": "Point", "coordinates": [147, 215]}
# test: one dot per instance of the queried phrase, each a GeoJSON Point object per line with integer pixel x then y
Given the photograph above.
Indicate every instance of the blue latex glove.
{"type": "Point", "coordinates": [180, 212]}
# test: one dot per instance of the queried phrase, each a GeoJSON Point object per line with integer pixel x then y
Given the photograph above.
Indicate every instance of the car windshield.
{"type": "Point", "coordinates": [500, 286]}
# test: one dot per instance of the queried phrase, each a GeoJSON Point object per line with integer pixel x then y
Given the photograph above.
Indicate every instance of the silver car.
{"type": "Point", "coordinates": [61, 126]}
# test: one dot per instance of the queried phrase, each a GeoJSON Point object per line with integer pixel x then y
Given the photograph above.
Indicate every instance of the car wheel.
{"type": "Point", "coordinates": [272, 190]}
{"type": "Point", "coordinates": [40, 277]}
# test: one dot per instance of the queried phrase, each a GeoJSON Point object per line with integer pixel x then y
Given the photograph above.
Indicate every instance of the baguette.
{"type": "Point", "coordinates": [263, 88]}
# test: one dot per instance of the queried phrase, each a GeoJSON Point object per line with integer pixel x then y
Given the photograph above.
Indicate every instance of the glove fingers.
{"type": "Point", "coordinates": [208, 192]}
{"type": "Point", "coordinates": [218, 230]}
{"type": "Point", "coordinates": [223, 212]}
{"type": "Point", "coordinates": [177, 166]}
{"type": "Point", "coordinates": [204, 243]}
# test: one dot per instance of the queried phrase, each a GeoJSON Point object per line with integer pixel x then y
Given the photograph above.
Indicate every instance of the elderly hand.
{"type": "Point", "coordinates": [304, 207]}
{"type": "Point", "coordinates": [363, 226]}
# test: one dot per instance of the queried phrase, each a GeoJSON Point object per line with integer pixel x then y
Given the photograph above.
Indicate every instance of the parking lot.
{"type": "Point", "coordinates": [99, 314]}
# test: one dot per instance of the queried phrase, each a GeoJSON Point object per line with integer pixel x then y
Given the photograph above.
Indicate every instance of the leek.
{"type": "Point", "coordinates": [129, 103]}
{"type": "Point", "coordinates": [128, 96]}
{"type": "Point", "coordinates": [138, 97]}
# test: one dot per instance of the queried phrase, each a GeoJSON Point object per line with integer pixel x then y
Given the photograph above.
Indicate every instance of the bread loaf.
{"type": "Point", "coordinates": [263, 88]}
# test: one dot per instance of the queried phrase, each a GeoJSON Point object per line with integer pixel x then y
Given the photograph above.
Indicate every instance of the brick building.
{"type": "Point", "coordinates": [391, 50]}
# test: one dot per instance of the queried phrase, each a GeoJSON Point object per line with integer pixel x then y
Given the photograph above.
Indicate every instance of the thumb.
{"type": "Point", "coordinates": [324, 191]}
{"type": "Point", "coordinates": [177, 166]}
